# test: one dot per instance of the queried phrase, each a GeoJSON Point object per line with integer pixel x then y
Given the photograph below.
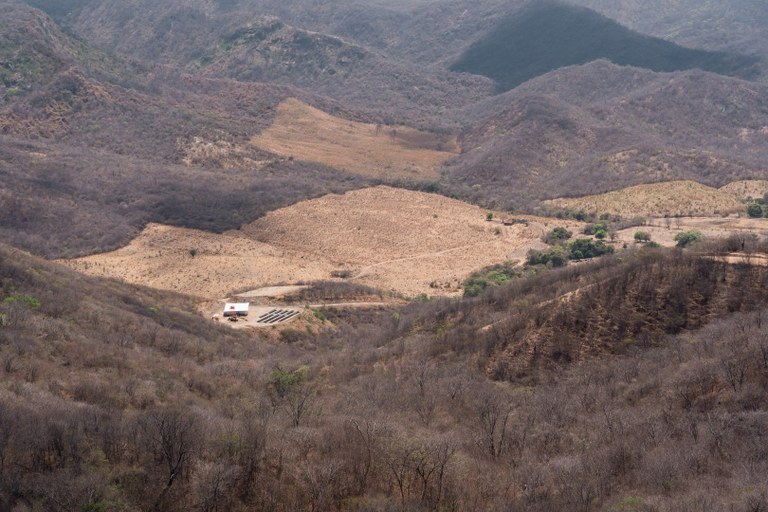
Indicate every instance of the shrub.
{"type": "Point", "coordinates": [687, 238]}
{"type": "Point", "coordinates": [754, 210]}
{"type": "Point", "coordinates": [585, 248]}
{"type": "Point", "coordinates": [592, 229]}
{"type": "Point", "coordinates": [642, 236]}
{"type": "Point", "coordinates": [557, 235]}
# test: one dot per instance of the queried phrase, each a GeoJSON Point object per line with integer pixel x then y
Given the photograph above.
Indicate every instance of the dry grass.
{"type": "Point", "coordinates": [658, 199]}
{"type": "Point", "coordinates": [385, 152]}
{"type": "Point", "coordinates": [161, 257]}
{"type": "Point", "coordinates": [663, 230]}
{"type": "Point", "coordinates": [392, 239]}
{"type": "Point", "coordinates": [747, 188]}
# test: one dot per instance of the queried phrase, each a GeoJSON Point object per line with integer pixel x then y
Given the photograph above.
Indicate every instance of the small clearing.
{"type": "Point", "coordinates": [671, 198]}
{"type": "Point", "coordinates": [386, 152]}
{"type": "Point", "coordinates": [399, 240]}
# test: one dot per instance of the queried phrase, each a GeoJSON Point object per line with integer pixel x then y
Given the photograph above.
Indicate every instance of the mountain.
{"type": "Point", "coordinates": [94, 147]}
{"type": "Point", "coordinates": [587, 129]}
{"type": "Point", "coordinates": [547, 36]}
{"type": "Point", "coordinates": [250, 43]}
{"type": "Point", "coordinates": [733, 26]}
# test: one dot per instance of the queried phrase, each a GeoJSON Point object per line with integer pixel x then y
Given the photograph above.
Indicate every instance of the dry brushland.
{"type": "Point", "coordinates": [393, 239]}
{"type": "Point", "coordinates": [440, 353]}
{"type": "Point", "coordinates": [627, 383]}
{"type": "Point", "coordinates": [373, 150]}
{"type": "Point", "coordinates": [675, 198]}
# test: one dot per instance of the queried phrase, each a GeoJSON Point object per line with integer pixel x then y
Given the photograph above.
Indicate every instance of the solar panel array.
{"type": "Point", "coordinates": [277, 316]}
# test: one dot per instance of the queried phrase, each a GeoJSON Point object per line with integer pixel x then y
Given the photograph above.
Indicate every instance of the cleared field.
{"type": "Point", "coordinates": [386, 152]}
{"type": "Point", "coordinates": [392, 239]}
{"type": "Point", "coordinates": [410, 242]}
{"type": "Point", "coordinates": [658, 199]}
{"type": "Point", "coordinates": [162, 257]}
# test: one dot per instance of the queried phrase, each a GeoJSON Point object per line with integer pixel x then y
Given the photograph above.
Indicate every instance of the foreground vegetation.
{"type": "Point", "coordinates": [118, 398]}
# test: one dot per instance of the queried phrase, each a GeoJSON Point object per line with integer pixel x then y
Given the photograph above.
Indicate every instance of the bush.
{"type": "Point", "coordinates": [754, 210]}
{"type": "Point", "coordinates": [584, 248]}
{"type": "Point", "coordinates": [592, 229]}
{"type": "Point", "coordinates": [557, 235]}
{"type": "Point", "coordinates": [555, 257]}
{"type": "Point", "coordinates": [642, 236]}
{"type": "Point", "coordinates": [687, 238]}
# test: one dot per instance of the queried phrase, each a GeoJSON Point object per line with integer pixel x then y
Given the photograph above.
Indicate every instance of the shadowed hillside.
{"type": "Point", "coordinates": [548, 36]}
{"type": "Point", "coordinates": [62, 201]}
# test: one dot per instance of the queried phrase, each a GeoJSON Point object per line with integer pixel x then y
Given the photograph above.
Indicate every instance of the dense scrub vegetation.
{"type": "Point", "coordinates": [392, 410]}
{"type": "Point", "coordinates": [61, 202]}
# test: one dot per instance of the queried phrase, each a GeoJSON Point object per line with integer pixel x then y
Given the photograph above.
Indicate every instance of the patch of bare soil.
{"type": "Point", "coordinates": [387, 152]}
{"type": "Point", "coordinates": [392, 239]}
{"type": "Point", "coordinates": [658, 199]}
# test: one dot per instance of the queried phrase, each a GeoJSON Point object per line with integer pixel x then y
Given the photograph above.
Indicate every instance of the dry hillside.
{"type": "Point", "coordinates": [658, 199]}
{"type": "Point", "coordinates": [747, 188]}
{"type": "Point", "coordinates": [378, 151]}
{"type": "Point", "coordinates": [409, 242]}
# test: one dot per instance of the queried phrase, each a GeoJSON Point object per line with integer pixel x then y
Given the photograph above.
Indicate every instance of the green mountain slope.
{"type": "Point", "coordinates": [548, 36]}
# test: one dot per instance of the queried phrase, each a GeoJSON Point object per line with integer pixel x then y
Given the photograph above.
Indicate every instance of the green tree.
{"type": "Point", "coordinates": [687, 238]}
{"type": "Point", "coordinates": [557, 236]}
{"type": "Point", "coordinates": [754, 210]}
{"type": "Point", "coordinates": [642, 236]}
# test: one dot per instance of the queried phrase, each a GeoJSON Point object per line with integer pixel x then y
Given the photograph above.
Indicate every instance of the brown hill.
{"type": "Point", "coordinates": [663, 199]}
{"type": "Point", "coordinates": [63, 201]}
{"type": "Point", "coordinates": [245, 41]}
{"type": "Point", "coordinates": [101, 381]}
{"type": "Point", "coordinates": [535, 143]}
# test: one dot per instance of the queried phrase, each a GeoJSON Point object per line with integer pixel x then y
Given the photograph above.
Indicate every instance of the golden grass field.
{"type": "Point", "coordinates": [669, 198]}
{"type": "Point", "coordinates": [385, 152]}
{"type": "Point", "coordinates": [393, 239]}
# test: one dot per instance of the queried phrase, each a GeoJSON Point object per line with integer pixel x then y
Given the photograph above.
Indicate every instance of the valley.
{"type": "Point", "coordinates": [498, 255]}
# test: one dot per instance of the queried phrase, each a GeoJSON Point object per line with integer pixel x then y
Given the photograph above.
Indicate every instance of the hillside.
{"type": "Point", "coordinates": [556, 137]}
{"type": "Point", "coordinates": [247, 42]}
{"type": "Point", "coordinates": [735, 26]}
{"type": "Point", "coordinates": [547, 36]}
{"type": "Point", "coordinates": [384, 152]}
{"type": "Point", "coordinates": [65, 201]}
{"type": "Point", "coordinates": [674, 198]}
{"type": "Point", "coordinates": [101, 381]}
